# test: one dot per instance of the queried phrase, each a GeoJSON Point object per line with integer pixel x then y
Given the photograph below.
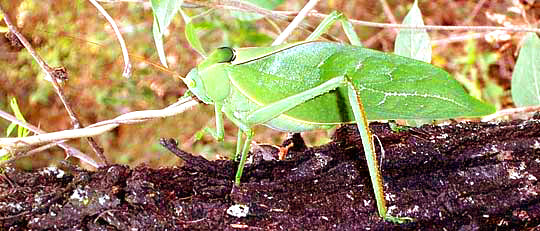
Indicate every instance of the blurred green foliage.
{"type": "Point", "coordinates": [474, 74]}
{"type": "Point", "coordinates": [65, 33]}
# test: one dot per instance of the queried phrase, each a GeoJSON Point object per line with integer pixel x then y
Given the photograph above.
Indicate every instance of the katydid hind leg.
{"type": "Point", "coordinates": [245, 150]}
{"type": "Point", "coordinates": [369, 149]}
{"type": "Point", "coordinates": [370, 154]}
{"type": "Point", "coordinates": [277, 108]}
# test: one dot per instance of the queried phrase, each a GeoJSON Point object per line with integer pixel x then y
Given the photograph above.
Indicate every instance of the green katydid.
{"type": "Point", "coordinates": [318, 85]}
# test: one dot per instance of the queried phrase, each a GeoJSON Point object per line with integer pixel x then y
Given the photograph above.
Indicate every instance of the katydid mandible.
{"type": "Point", "coordinates": [318, 85]}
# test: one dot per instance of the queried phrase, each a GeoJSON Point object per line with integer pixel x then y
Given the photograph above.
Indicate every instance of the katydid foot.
{"type": "Point", "coordinates": [398, 220]}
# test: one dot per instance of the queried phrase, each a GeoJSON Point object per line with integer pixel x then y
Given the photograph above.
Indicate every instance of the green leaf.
{"type": "Point", "coordinates": [3, 29]}
{"type": "Point", "coordinates": [10, 128]}
{"type": "Point", "coordinates": [526, 76]}
{"type": "Point", "coordinates": [21, 131]}
{"type": "Point", "coordinates": [193, 39]}
{"type": "Point", "coordinates": [413, 43]}
{"type": "Point", "coordinates": [164, 11]}
{"type": "Point", "coordinates": [158, 40]}
{"type": "Point", "coordinates": [4, 156]}
{"type": "Point", "coordinates": [266, 4]}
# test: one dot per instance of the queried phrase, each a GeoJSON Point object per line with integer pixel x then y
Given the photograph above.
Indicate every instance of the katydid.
{"type": "Point", "coordinates": [317, 85]}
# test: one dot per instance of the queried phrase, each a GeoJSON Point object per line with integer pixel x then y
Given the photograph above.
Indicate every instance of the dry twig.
{"type": "Point", "coordinates": [15, 144]}
{"type": "Point", "coordinates": [71, 151]}
{"type": "Point", "coordinates": [296, 21]}
{"type": "Point", "coordinates": [127, 64]}
{"type": "Point", "coordinates": [53, 74]}
{"type": "Point", "coordinates": [282, 15]}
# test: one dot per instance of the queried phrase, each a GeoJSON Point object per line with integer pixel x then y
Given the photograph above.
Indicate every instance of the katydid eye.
{"type": "Point", "coordinates": [226, 54]}
{"type": "Point", "coordinates": [191, 83]}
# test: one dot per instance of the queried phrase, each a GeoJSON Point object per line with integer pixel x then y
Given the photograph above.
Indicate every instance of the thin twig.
{"type": "Point", "coordinates": [241, 6]}
{"type": "Point", "coordinates": [296, 21]}
{"type": "Point", "coordinates": [430, 27]}
{"type": "Point", "coordinates": [286, 16]}
{"type": "Point", "coordinates": [53, 74]}
{"type": "Point", "coordinates": [48, 70]}
{"type": "Point", "coordinates": [475, 11]}
{"type": "Point", "coordinates": [75, 120]}
{"type": "Point", "coordinates": [388, 12]}
{"type": "Point", "coordinates": [13, 144]}
{"type": "Point", "coordinates": [127, 64]}
{"type": "Point", "coordinates": [71, 151]}
{"type": "Point", "coordinates": [33, 151]}
{"type": "Point", "coordinates": [511, 111]}
{"type": "Point", "coordinates": [117, 1]}
{"type": "Point", "coordinates": [457, 38]}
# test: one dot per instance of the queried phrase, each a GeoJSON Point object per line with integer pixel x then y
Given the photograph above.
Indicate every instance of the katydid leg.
{"type": "Point", "coordinates": [245, 150]}
{"type": "Point", "coordinates": [219, 133]}
{"type": "Point", "coordinates": [277, 108]}
{"type": "Point", "coordinates": [272, 111]}
{"type": "Point", "coordinates": [370, 154]}
{"type": "Point", "coordinates": [329, 21]}
{"type": "Point", "coordinates": [239, 144]}
{"type": "Point", "coordinates": [369, 149]}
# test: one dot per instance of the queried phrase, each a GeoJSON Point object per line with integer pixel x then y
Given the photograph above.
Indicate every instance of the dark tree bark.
{"type": "Point", "coordinates": [463, 176]}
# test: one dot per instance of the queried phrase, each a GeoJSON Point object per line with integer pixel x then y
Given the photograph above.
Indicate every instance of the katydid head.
{"type": "Point", "coordinates": [209, 81]}
{"type": "Point", "coordinates": [196, 86]}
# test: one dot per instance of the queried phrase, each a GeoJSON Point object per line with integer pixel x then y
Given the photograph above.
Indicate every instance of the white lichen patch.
{"type": "Point", "coordinates": [513, 174]}
{"type": "Point", "coordinates": [415, 209]}
{"type": "Point", "coordinates": [520, 173]}
{"type": "Point", "coordinates": [80, 196]}
{"type": "Point", "coordinates": [367, 203]}
{"type": "Point", "coordinates": [528, 190]}
{"type": "Point", "coordinates": [238, 210]}
{"type": "Point", "coordinates": [390, 197]}
{"type": "Point", "coordinates": [15, 207]}
{"type": "Point", "coordinates": [391, 209]}
{"type": "Point", "coordinates": [442, 136]}
{"type": "Point", "coordinates": [35, 220]}
{"type": "Point", "coordinates": [536, 145]}
{"type": "Point", "coordinates": [103, 199]}
{"type": "Point", "coordinates": [468, 200]}
{"type": "Point", "coordinates": [53, 171]}
{"type": "Point", "coordinates": [522, 166]}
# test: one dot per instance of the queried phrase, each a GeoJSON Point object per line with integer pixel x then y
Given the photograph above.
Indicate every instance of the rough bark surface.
{"type": "Point", "coordinates": [463, 176]}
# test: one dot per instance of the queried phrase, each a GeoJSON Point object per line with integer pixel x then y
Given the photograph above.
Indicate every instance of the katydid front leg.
{"type": "Point", "coordinates": [272, 111]}
{"type": "Point", "coordinates": [219, 133]}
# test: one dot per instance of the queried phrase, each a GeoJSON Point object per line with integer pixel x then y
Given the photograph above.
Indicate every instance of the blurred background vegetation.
{"type": "Point", "coordinates": [74, 35]}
